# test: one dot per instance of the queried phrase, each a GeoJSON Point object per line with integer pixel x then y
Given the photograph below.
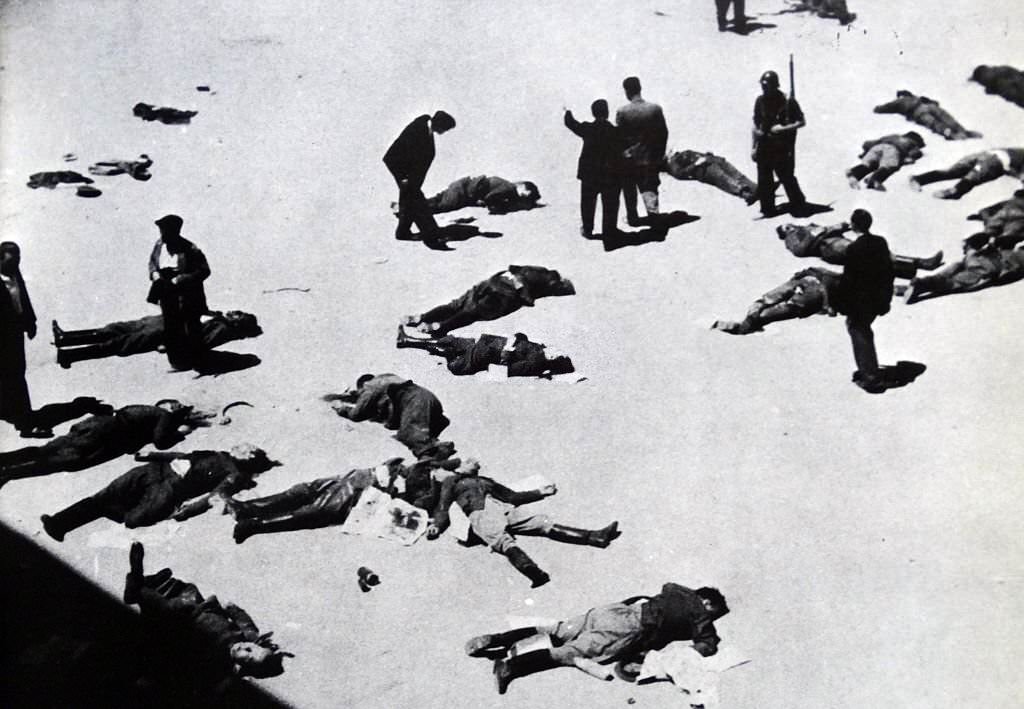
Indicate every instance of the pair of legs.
{"type": "Point", "coordinates": [974, 272]}
{"type": "Point", "coordinates": [796, 298]}
{"type": "Point", "coordinates": [969, 172]}
{"type": "Point", "coordinates": [600, 635]}
{"type": "Point", "coordinates": [497, 522]}
{"type": "Point", "coordinates": [413, 209]}
{"type": "Point", "coordinates": [609, 193]}
{"type": "Point", "coordinates": [643, 179]}
{"type": "Point", "coordinates": [875, 167]}
{"type": "Point", "coordinates": [312, 505]}
{"type": "Point", "coordinates": [768, 168]}
{"type": "Point", "coordinates": [938, 120]}
{"type": "Point", "coordinates": [739, 18]}
{"type": "Point", "coordinates": [484, 301]}
{"type": "Point", "coordinates": [863, 340]}
{"type": "Point", "coordinates": [69, 453]}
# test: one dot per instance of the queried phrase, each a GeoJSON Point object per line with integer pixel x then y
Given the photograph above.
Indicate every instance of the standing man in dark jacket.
{"type": "Point", "coordinates": [739, 16]}
{"type": "Point", "coordinates": [777, 118]}
{"type": "Point", "coordinates": [177, 269]}
{"type": "Point", "coordinates": [597, 169]}
{"type": "Point", "coordinates": [17, 319]}
{"type": "Point", "coordinates": [408, 159]}
{"type": "Point", "coordinates": [645, 136]}
{"type": "Point", "coordinates": [865, 292]}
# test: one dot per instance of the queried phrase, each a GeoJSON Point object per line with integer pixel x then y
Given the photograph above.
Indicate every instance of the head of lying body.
{"type": "Point", "coordinates": [543, 281]}
{"type": "Point", "coordinates": [258, 659]}
{"type": "Point", "coordinates": [242, 324]}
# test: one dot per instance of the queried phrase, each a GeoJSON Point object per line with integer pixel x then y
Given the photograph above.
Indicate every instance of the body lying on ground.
{"type": "Point", "coordinates": [711, 170]}
{"type": "Point", "coordinates": [103, 437]}
{"type": "Point", "coordinates": [1004, 81]}
{"type": "Point", "coordinates": [979, 268]}
{"type": "Point", "coordinates": [614, 632]}
{"type": "Point", "coordinates": [501, 294]}
{"type": "Point", "coordinates": [973, 170]}
{"type": "Point", "coordinates": [882, 157]}
{"type": "Point", "coordinates": [805, 294]}
{"type": "Point", "coordinates": [131, 337]}
{"type": "Point", "coordinates": [466, 355]}
{"type": "Point", "coordinates": [1003, 223]}
{"type": "Point", "coordinates": [829, 244]}
{"type": "Point", "coordinates": [495, 515]}
{"type": "Point", "coordinates": [163, 114]}
{"type": "Point", "coordinates": [216, 642]}
{"type": "Point", "coordinates": [498, 195]}
{"type": "Point", "coordinates": [400, 404]}
{"type": "Point", "coordinates": [928, 113]}
{"type": "Point", "coordinates": [139, 169]}
{"type": "Point", "coordinates": [168, 484]}
{"type": "Point", "coordinates": [49, 180]}
{"type": "Point", "coordinates": [827, 8]}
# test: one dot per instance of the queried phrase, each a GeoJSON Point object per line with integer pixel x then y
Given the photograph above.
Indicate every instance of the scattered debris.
{"type": "Point", "coordinates": [88, 191]}
{"type": "Point", "coordinates": [224, 418]}
{"type": "Point", "coordinates": [202, 88]}
{"type": "Point", "coordinates": [281, 290]}
{"type": "Point", "coordinates": [367, 578]}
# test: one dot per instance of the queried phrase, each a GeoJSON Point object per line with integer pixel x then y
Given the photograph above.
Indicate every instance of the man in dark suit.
{"type": "Point", "coordinates": [17, 319]}
{"type": "Point", "coordinates": [598, 169]}
{"type": "Point", "coordinates": [408, 159]}
{"type": "Point", "coordinates": [865, 292]}
{"type": "Point", "coordinates": [177, 269]}
{"type": "Point", "coordinates": [644, 134]}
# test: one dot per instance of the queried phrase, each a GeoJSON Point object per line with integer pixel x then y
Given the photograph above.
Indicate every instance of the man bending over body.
{"type": "Point", "coordinates": [466, 355]}
{"type": "Point", "coordinates": [973, 170]}
{"type": "Point", "coordinates": [609, 633]}
{"type": "Point", "coordinates": [130, 337]}
{"type": "Point", "coordinates": [829, 244]}
{"type": "Point", "coordinates": [928, 113]}
{"type": "Point", "coordinates": [503, 293]}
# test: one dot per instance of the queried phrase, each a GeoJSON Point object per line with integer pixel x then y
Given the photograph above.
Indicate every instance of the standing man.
{"type": "Point", "coordinates": [865, 292]}
{"type": "Point", "coordinates": [17, 319]}
{"type": "Point", "coordinates": [644, 134]}
{"type": "Point", "coordinates": [177, 269]}
{"type": "Point", "coordinates": [597, 169]}
{"type": "Point", "coordinates": [739, 17]}
{"type": "Point", "coordinates": [408, 160]}
{"type": "Point", "coordinates": [777, 118]}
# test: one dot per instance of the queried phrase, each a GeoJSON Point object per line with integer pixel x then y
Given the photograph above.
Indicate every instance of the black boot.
{"type": "Point", "coordinates": [250, 527]}
{"type": "Point", "coordinates": [521, 665]}
{"type": "Point", "coordinates": [904, 267]}
{"type": "Point", "coordinates": [595, 538]}
{"type": "Point", "coordinates": [930, 263]}
{"type": "Point", "coordinates": [70, 518]}
{"type": "Point", "coordinates": [69, 338]}
{"type": "Point", "coordinates": [524, 565]}
{"type": "Point", "coordinates": [498, 643]}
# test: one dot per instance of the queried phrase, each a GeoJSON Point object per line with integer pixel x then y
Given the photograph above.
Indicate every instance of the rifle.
{"type": "Point", "coordinates": [792, 81]}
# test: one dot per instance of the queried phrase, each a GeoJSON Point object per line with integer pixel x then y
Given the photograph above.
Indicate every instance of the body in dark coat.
{"type": "Point", "coordinates": [928, 113]}
{"type": "Point", "coordinates": [501, 294]}
{"type": "Point", "coordinates": [1004, 81]}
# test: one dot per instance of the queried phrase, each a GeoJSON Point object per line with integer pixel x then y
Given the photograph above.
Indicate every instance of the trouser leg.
{"type": "Point", "coordinates": [629, 193]}
{"type": "Point", "coordinates": [766, 186]}
{"type": "Point", "coordinates": [303, 518]}
{"type": "Point", "coordinates": [904, 267]}
{"type": "Point", "coordinates": [588, 203]}
{"type": "Point", "coordinates": [863, 340]}
{"type": "Point", "coordinates": [271, 505]}
{"type": "Point", "coordinates": [609, 210]}
{"type": "Point", "coordinates": [70, 518]}
{"type": "Point", "coordinates": [785, 171]}
{"type": "Point", "coordinates": [68, 338]}
{"type": "Point", "coordinates": [859, 171]}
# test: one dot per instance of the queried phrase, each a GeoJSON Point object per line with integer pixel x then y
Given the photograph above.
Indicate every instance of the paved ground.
{"type": "Point", "coordinates": [869, 546]}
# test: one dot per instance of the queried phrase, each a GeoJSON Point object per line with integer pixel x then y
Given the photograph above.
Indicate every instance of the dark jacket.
{"type": "Point", "coordinates": [601, 154]}
{"type": "Point", "coordinates": [410, 156]}
{"type": "Point", "coordinates": [908, 148]}
{"type": "Point", "coordinates": [866, 286]}
{"type": "Point", "coordinates": [678, 614]}
{"type": "Point", "coordinates": [642, 129]}
{"type": "Point", "coordinates": [771, 110]}
{"type": "Point", "coordinates": [192, 270]}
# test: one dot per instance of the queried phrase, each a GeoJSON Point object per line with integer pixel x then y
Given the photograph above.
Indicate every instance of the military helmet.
{"type": "Point", "coordinates": [770, 78]}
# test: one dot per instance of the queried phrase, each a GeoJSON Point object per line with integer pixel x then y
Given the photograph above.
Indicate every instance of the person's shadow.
{"type": "Point", "coordinates": [214, 363]}
{"type": "Point", "coordinates": [808, 210]}
{"type": "Point", "coordinates": [458, 231]}
{"type": "Point", "coordinates": [899, 374]}
{"type": "Point", "coordinates": [750, 27]}
{"type": "Point", "coordinates": [658, 226]}
{"type": "Point", "coordinates": [52, 415]}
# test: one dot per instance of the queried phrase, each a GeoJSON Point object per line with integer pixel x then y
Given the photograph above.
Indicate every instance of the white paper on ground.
{"type": "Point", "coordinates": [377, 514]}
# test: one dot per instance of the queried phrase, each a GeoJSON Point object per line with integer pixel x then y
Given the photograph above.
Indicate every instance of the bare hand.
{"type": "Point", "coordinates": [549, 490]}
{"type": "Point", "coordinates": [433, 532]}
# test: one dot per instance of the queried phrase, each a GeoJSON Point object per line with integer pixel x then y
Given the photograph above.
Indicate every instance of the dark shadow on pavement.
{"type": "Point", "coordinates": [458, 231]}
{"type": "Point", "coordinates": [67, 643]}
{"type": "Point", "coordinates": [751, 27]}
{"type": "Point", "coordinates": [658, 228]}
{"type": "Point", "coordinates": [216, 363]}
{"type": "Point", "coordinates": [52, 415]}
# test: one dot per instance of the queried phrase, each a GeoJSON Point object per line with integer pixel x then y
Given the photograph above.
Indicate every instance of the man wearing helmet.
{"type": "Point", "coordinates": [777, 118]}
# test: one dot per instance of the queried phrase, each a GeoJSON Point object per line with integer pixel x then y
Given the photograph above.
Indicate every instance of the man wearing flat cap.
{"type": "Point", "coordinates": [177, 269]}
